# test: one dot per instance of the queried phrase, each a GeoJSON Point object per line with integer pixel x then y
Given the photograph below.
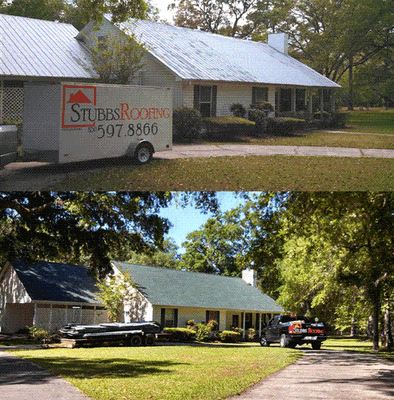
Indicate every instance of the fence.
{"type": "Point", "coordinates": [11, 101]}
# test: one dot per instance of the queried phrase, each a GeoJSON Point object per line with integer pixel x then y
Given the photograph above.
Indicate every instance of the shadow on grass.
{"type": "Point", "coordinates": [16, 371]}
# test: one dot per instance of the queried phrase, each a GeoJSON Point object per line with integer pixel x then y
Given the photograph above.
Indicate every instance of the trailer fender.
{"type": "Point", "coordinates": [141, 151]}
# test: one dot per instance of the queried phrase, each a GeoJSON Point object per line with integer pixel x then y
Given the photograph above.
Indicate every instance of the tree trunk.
{"type": "Point", "coordinates": [387, 329]}
{"type": "Point", "coordinates": [351, 91]}
{"type": "Point", "coordinates": [375, 325]}
{"type": "Point", "coordinates": [353, 327]}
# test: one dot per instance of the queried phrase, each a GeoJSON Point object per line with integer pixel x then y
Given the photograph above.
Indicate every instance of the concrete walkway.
{"type": "Point", "coordinates": [23, 380]}
{"type": "Point", "coordinates": [38, 175]}
{"type": "Point", "coordinates": [330, 375]}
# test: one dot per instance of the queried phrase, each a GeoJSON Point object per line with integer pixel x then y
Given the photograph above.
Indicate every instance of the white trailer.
{"type": "Point", "coordinates": [66, 122]}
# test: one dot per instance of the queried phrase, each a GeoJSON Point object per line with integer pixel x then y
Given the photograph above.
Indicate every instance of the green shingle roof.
{"type": "Point", "coordinates": [57, 282]}
{"type": "Point", "coordinates": [171, 287]}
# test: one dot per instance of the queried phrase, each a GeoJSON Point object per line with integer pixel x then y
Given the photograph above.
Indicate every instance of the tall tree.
{"type": "Point", "coordinates": [51, 10]}
{"type": "Point", "coordinates": [340, 241]}
{"type": "Point", "coordinates": [226, 17]}
{"type": "Point", "coordinates": [85, 227]}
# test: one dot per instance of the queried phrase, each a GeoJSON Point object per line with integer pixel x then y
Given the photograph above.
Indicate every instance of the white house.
{"type": "Point", "coordinates": [33, 50]}
{"type": "Point", "coordinates": [50, 295]}
{"type": "Point", "coordinates": [47, 295]}
{"type": "Point", "coordinates": [210, 72]}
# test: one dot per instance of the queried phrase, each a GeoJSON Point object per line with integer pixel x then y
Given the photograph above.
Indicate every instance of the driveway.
{"type": "Point", "coordinates": [38, 175]}
{"type": "Point", "coordinates": [23, 380]}
{"type": "Point", "coordinates": [328, 374]}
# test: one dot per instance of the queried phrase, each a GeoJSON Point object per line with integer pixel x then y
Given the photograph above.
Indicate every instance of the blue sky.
{"type": "Point", "coordinates": [189, 219]}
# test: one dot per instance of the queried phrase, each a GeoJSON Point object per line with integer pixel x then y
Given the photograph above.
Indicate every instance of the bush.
{"type": "Point", "coordinates": [259, 117]}
{"type": "Point", "coordinates": [180, 334]}
{"type": "Point", "coordinates": [228, 127]}
{"type": "Point", "coordinates": [238, 110]}
{"type": "Point", "coordinates": [229, 336]}
{"type": "Point", "coordinates": [202, 332]}
{"type": "Point", "coordinates": [333, 120]}
{"type": "Point", "coordinates": [285, 126]}
{"type": "Point", "coordinates": [214, 325]}
{"type": "Point", "coordinates": [186, 124]}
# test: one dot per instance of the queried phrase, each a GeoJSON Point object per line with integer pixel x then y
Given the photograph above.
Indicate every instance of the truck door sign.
{"type": "Point", "coordinates": [79, 106]}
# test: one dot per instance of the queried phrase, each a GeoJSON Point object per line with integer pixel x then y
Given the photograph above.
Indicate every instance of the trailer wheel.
{"type": "Point", "coordinates": [150, 340]}
{"type": "Point", "coordinates": [136, 340]}
{"type": "Point", "coordinates": [284, 341]}
{"type": "Point", "coordinates": [143, 153]}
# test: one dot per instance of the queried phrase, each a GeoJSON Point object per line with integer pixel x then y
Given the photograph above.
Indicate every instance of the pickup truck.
{"type": "Point", "coordinates": [292, 330]}
{"type": "Point", "coordinates": [133, 334]}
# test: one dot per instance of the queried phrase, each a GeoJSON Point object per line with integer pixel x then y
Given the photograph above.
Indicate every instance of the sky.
{"type": "Point", "coordinates": [162, 6]}
{"type": "Point", "coordinates": [189, 219]}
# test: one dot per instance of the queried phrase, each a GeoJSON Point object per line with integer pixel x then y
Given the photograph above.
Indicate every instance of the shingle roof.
{"type": "Point", "coordinates": [171, 287]}
{"type": "Point", "coordinates": [36, 48]}
{"type": "Point", "coordinates": [196, 55]}
{"type": "Point", "coordinates": [56, 282]}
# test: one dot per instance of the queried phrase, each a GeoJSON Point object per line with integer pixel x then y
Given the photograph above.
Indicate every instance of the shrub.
{"type": "Point", "coordinates": [285, 126]}
{"type": "Point", "coordinates": [190, 324]}
{"type": "Point", "coordinates": [186, 124]}
{"type": "Point", "coordinates": [251, 334]}
{"type": "Point", "coordinates": [202, 332]}
{"type": "Point", "coordinates": [180, 334]}
{"type": "Point", "coordinates": [39, 333]}
{"type": "Point", "coordinates": [229, 336]}
{"type": "Point", "coordinates": [238, 110]}
{"type": "Point", "coordinates": [214, 325]}
{"type": "Point", "coordinates": [259, 117]}
{"type": "Point", "coordinates": [228, 127]}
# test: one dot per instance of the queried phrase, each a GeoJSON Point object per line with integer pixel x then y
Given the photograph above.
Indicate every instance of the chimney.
{"type": "Point", "coordinates": [279, 41]}
{"type": "Point", "coordinates": [250, 277]}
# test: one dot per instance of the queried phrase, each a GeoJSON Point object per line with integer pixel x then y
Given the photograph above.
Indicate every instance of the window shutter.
{"type": "Point", "coordinates": [214, 100]}
{"type": "Point", "coordinates": [176, 318]}
{"type": "Point", "coordinates": [163, 318]}
{"type": "Point", "coordinates": [196, 97]}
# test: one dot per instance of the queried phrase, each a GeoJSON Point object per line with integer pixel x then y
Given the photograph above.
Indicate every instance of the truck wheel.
{"type": "Point", "coordinates": [263, 342]}
{"type": "Point", "coordinates": [284, 341]}
{"type": "Point", "coordinates": [136, 340]}
{"type": "Point", "coordinates": [150, 340]}
{"type": "Point", "coordinates": [316, 345]}
{"type": "Point", "coordinates": [143, 153]}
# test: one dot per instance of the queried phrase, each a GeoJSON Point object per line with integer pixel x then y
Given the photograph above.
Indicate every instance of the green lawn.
{"type": "Point", "coordinates": [163, 372]}
{"type": "Point", "coordinates": [241, 173]}
{"type": "Point", "coordinates": [376, 120]}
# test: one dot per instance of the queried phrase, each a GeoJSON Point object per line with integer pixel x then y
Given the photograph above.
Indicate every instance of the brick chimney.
{"type": "Point", "coordinates": [279, 41]}
{"type": "Point", "coordinates": [250, 277]}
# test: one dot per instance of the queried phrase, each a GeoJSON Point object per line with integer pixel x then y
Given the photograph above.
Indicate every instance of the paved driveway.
{"type": "Point", "coordinates": [22, 380]}
{"type": "Point", "coordinates": [328, 374]}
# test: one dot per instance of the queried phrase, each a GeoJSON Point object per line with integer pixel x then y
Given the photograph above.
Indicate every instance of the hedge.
{"type": "Point", "coordinates": [229, 336]}
{"type": "Point", "coordinates": [285, 126]}
{"type": "Point", "coordinates": [228, 126]}
{"type": "Point", "coordinates": [180, 334]}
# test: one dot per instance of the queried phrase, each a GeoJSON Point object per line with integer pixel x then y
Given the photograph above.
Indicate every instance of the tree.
{"type": "Point", "coordinates": [88, 228]}
{"type": "Point", "coordinates": [117, 59]}
{"type": "Point", "coordinates": [115, 292]}
{"type": "Point", "coordinates": [338, 242]}
{"type": "Point", "coordinates": [216, 16]}
{"type": "Point", "coordinates": [51, 10]}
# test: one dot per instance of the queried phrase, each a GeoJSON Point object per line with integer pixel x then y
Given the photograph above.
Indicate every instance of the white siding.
{"type": "Point", "coordinates": [227, 94]}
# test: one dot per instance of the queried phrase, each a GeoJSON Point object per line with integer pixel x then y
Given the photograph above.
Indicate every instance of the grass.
{"type": "Point", "coordinates": [376, 120]}
{"type": "Point", "coordinates": [356, 344]}
{"type": "Point", "coordinates": [241, 173]}
{"type": "Point", "coordinates": [163, 372]}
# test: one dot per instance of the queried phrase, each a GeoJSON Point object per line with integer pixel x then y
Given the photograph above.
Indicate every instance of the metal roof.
{"type": "Point", "coordinates": [40, 49]}
{"type": "Point", "coordinates": [177, 288]}
{"type": "Point", "coordinates": [196, 55]}
{"type": "Point", "coordinates": [56, 282]}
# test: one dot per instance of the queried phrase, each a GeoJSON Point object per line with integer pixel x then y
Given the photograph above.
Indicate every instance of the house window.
{"type": "Point", "coordinates": [212, 315]}
{"type": "Point", "coordinates": [285, 98]}
{"type": "Point", "coordinates": [169, 317]}
{"type": "Point", "coordinates": [205, 98]}
{"type": "Point", "coordinates": [259, 95]}
{"type": "Point", "coordinates": [300, 100]}
{"type": "Point", "coordinates": [248, 320]}
{"type": "Point", "coordinates": [235, 323]}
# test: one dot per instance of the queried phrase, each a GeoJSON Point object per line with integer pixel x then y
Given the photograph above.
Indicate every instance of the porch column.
{"type": "Point", "coordinates": [244, 324]}
{"type": "Point", "coordinates": [94, 315]}
{"type": "Point", "coordinates": [310, 94]}
{"type": "Point", "coordinates": [332, 100]}
{"type": "Point", "coordinates": [293, 101]}
{"type": "Point", "coordinates": [261, 321]}
{"type": "Point", "coordinates": [50, 318]}
{"type": "Point", "coordinates": [35, 314]}
{"type": "Point", "coordinates": [321, 95]}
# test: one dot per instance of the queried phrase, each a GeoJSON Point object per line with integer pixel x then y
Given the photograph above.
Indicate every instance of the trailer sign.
{"type": "Point", "coordinates": [97, 121]}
